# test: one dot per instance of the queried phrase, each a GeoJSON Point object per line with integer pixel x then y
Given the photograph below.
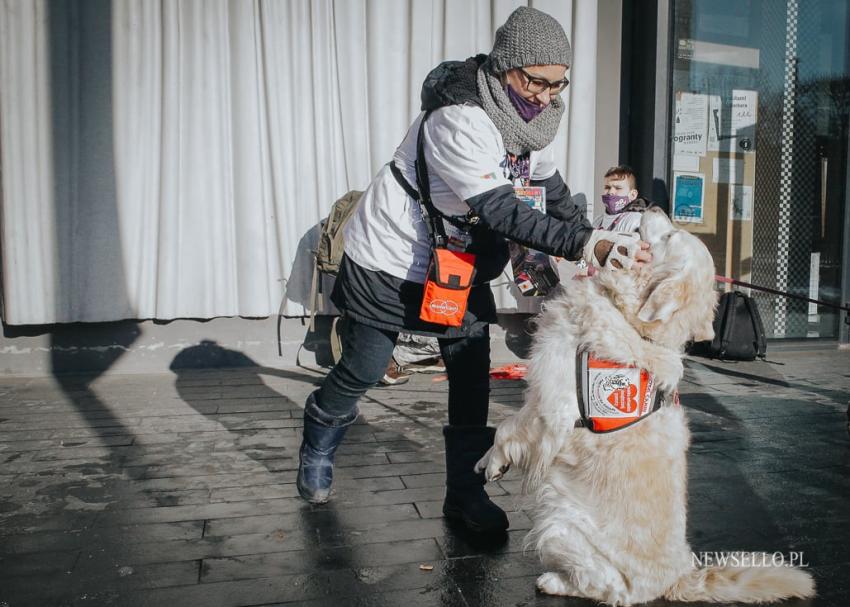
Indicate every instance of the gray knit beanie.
{"type": "Point", "coordinates": [530, 37]}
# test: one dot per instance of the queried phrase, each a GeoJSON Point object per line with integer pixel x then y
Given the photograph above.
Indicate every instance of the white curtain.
{"type": "Point", "coordinates": [172, 158]}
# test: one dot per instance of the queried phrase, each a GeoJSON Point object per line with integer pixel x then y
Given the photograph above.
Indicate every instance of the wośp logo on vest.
{"type": "Point", "coordinates": [621, 392]}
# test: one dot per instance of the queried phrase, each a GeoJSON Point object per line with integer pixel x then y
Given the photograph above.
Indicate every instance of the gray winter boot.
{"type": "Point", "coordinates": [322, 435]}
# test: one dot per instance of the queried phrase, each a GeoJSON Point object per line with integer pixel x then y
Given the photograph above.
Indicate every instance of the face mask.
{"type": "Point", "coordinates": [613, 203]}
{"type": "Point", "coordinates": [524, 107]}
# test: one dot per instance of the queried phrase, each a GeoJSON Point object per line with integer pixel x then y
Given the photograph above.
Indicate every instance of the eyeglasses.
{"type": "Point", "coordinates": [538, 85]}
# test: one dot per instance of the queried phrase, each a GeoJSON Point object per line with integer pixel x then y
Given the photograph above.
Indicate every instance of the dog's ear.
{"type": "Point", "coordinates": [663, 300]}
{"type": "Point", "coordinates": [705, 321]}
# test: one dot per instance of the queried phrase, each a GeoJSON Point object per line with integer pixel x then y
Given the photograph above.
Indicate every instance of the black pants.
{"type": "Point", "coordinates": [366, 352]}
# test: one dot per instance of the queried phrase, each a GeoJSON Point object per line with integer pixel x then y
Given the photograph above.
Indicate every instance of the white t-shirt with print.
{"type": "Point", "coordinates": [465, 157]}
{"type": "Point", "coordinates": [619, 222]}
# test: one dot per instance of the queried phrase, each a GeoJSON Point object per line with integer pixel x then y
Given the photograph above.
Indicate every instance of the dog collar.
{"type": "Point", "coordinates": [613, 395]}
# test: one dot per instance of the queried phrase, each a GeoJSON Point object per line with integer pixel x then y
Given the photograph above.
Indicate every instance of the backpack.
{"type": "Point", "coordinates": [738, 331]}
{"type": "Point", "coordinates": [328, 254]}
{"type": "Point", "coordinates": [329, 250]}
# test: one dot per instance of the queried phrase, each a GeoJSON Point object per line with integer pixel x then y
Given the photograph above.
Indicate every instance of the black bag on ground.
{"type": "Point", "coordinates": [738, 331]}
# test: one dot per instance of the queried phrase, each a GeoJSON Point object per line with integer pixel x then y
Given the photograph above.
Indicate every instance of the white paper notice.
{"type": "Point", "coordinates": [727, 170]}
{"type": "Point", "coordinates": [744, 108]}
{"type": "Point", "coordinates": [690, 126]}
{"type": "Point", "coordinates": [686, 163]}
{"type": "Point", "coordinates": [741, 202]}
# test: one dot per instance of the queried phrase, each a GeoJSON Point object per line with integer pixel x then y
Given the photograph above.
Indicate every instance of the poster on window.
{"type": "Point", "coordinates": [690, 126]}
{"type": "Point", "coordinates": [688, 197]}
{"type": "Point", "coordinates": [741, 202]}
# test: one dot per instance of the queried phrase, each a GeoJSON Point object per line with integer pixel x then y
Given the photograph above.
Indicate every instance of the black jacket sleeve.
{"type": "Point", "coordinates": [502, 212]}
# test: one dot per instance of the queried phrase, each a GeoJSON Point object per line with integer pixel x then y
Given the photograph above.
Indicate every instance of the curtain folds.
{"type": "Point", "coordinates": [173, 158]}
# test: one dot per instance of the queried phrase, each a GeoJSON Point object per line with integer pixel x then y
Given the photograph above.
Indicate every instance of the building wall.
{"type": "Point", "coordinates": [154, 346]}
{"type": "Point", "coordinates": [609, 52]}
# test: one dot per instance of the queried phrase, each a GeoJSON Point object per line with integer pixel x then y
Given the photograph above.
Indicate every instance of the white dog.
{"type": "Point", "coordinates": [610, 508]}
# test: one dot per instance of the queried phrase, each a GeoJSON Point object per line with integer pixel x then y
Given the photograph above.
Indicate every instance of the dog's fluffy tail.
{"type": "Point", "coordinates": [726, 584]}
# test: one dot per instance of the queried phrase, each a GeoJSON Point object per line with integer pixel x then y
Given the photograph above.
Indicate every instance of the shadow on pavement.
{"type": "Point", "coordinates": [838, 396]}
{"type": "Point", "coordinates": [263, 421]}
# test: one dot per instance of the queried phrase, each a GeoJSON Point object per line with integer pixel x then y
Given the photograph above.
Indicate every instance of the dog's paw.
{"type": "Point", "coordinates": [552, 583]}
{"type": "Point", "coordinates": [481, 465]}
{"type": "Point", "coordinates": [494, 464]}
{"type": "Point", "coordinates": [668, 371]}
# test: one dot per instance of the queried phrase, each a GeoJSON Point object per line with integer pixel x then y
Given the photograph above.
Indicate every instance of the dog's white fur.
{"type": "Point", "coordinates": [610, 509]}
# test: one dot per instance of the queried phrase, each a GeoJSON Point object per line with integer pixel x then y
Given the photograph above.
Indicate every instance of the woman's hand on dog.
{"type": "Point", "coordinates": [643, 256]}
{"type": "Point", "coordinates": [620, 250]}
{"type": "Point", "coordinates": [603, 248]}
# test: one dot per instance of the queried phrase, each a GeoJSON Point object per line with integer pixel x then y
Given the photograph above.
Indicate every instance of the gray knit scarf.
{"type": "Point", "coordinates": [518, 135]}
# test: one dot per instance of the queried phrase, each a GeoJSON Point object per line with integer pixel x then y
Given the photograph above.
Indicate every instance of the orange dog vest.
{"type": "Point", "coordinates": [612, 395]}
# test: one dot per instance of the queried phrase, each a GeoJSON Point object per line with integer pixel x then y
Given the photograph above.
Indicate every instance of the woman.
{"type": "Point", "coordinates": [491, 120]}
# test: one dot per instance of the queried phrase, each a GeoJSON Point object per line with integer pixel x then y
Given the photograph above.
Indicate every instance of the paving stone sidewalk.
{"type": "Point", "coordinates": [178, 489]}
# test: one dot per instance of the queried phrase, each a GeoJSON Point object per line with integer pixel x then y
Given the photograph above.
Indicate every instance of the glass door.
{"type": "Point", "coordinates": [758, 157]}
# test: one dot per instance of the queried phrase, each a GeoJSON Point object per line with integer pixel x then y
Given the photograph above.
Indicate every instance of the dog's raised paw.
{"type": "Point", "coordinates": [481, 465]}
{"type": "Point", "coordinates": [552, 583]}
{"type": "Point", "coordinates": [497, 474]}
{"type": "Point", "coordinates": [493, 464]}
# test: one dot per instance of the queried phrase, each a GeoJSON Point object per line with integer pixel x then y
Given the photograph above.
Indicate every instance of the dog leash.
{"type": "Point", "coordinates": [741, 283]}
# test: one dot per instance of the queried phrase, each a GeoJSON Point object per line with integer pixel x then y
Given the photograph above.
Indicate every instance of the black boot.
{"type": "Point", "coordinates": [466, 500]}
{"type": "Point", "coordinates": [322, 435]}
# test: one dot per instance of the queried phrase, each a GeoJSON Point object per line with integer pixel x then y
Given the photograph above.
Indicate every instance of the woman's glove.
{"type": "Point", "coordinates": [616, 249]}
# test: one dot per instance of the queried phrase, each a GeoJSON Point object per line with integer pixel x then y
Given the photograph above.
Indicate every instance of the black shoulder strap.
{"type": "Point", "coordinates": [421, 167]}
{"type": "Point", "coordinates": [431, 214]}
{"type": "Point", "coordinates": [758, 327]}
{"type": "Point", "coordinates": [729, 322]}
{"type": "Point", "coordinates": [720, 325]}
{"type": "Point", "coordinates": [433, 217]}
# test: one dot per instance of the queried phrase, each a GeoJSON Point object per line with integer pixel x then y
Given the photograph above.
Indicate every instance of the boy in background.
{"type": "Point", "coordinates": [623, 207]}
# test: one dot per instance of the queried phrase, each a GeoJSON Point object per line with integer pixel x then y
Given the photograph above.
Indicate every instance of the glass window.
{"type": "Point", "coordinates": [758, 157]}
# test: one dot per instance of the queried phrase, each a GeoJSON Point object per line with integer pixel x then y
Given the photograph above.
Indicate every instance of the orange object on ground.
{"type": "Point", "coordinates": [513, 371]}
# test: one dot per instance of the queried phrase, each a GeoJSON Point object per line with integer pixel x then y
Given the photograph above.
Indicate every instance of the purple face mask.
{"type": "Point", "coordinates": [613, 203]}
{"type": "Point", "coordinates": [524, 107]}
